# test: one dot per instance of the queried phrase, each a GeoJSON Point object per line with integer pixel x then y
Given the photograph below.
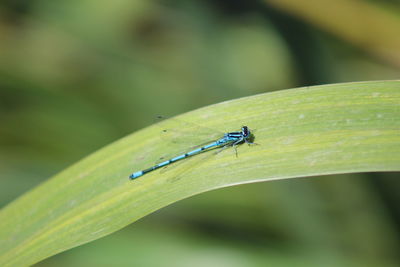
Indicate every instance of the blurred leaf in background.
{"type": "Point", "coordinates": [77, 75]}
{"type": "Point", "coordinates": [370, 25]}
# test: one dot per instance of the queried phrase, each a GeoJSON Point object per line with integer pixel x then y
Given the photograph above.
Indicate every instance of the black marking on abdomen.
{"type": "Point", "coordinates": [150, 169]}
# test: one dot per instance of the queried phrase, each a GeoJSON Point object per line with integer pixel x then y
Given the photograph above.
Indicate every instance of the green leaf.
{"type": "Point", "coordinates": [340, 128]}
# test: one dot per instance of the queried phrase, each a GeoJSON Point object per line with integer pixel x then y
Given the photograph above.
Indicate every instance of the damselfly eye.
{"type": "Point", "coordinates": [245, 131]}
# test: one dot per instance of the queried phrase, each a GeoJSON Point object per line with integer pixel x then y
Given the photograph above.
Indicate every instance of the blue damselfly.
{"type": "Point", "coordinates": [231, 139]}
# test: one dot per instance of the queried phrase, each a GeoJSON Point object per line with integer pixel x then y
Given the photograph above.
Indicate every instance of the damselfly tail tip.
{"type": "Point", "coordinates": [136, 175]}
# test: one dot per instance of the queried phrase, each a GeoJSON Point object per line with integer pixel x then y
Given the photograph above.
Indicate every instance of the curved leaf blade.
{"type": "Point", "coordinates": [340, 128]}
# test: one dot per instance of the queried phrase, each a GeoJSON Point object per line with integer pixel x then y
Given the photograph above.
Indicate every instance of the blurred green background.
{"type": "Point", "coordinates": [77, 75]}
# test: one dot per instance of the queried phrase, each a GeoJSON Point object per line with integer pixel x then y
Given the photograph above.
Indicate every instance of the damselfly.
{"type": "Point", "coordinates": [231, 139]}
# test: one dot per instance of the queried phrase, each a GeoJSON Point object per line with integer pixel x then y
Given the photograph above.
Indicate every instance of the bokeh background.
{"type": "Point", "coordinates": [77, 75]}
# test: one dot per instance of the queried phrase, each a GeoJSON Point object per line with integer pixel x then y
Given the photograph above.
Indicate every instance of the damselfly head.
{"type": "Point", "coordinates": [245, 131]}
